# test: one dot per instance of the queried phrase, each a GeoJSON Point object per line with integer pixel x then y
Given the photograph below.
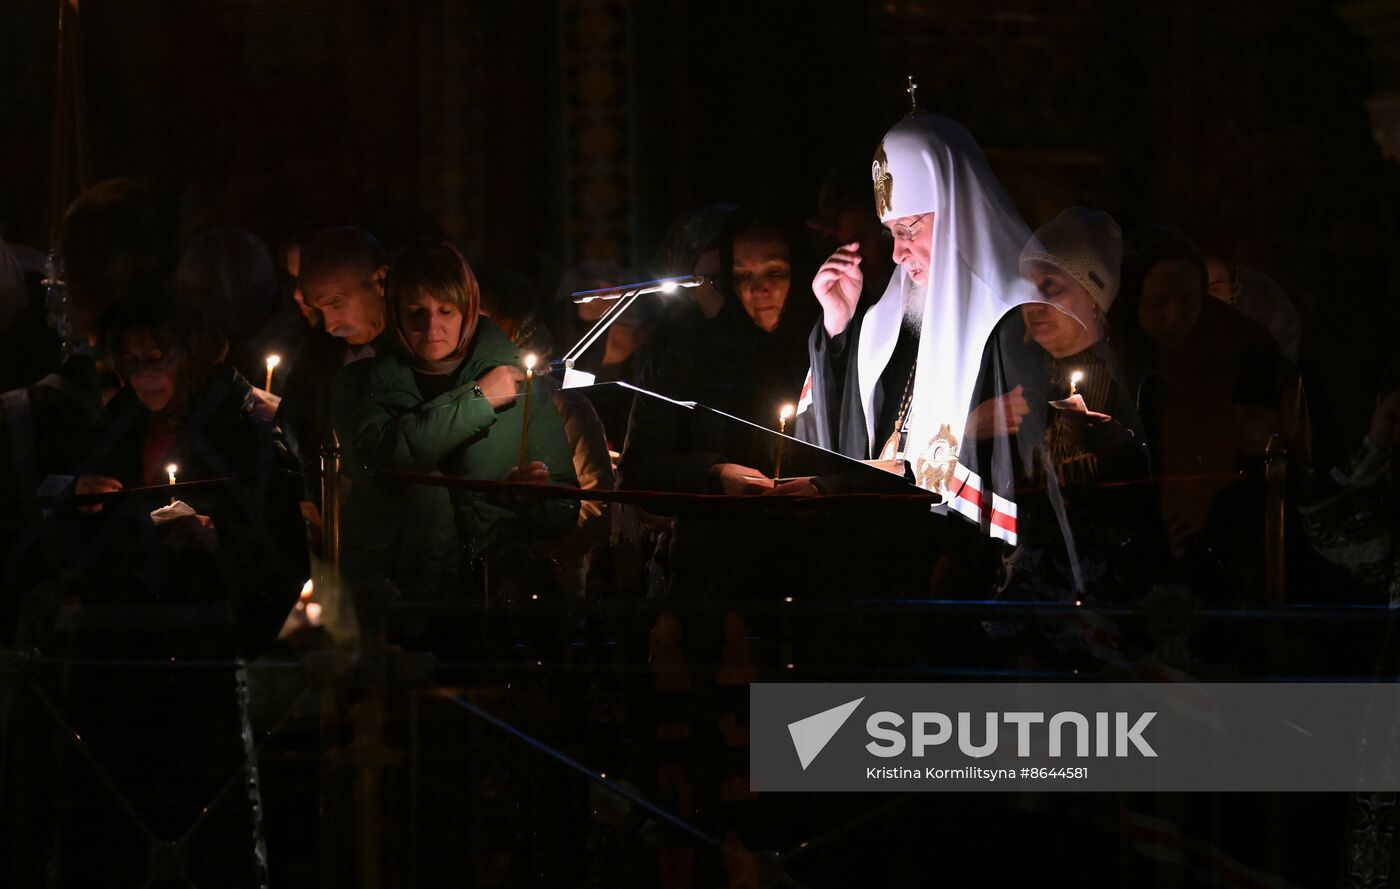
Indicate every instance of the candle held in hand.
{"type": "Point", "coordinates": [525, 420]}
{"type": "Point", "coordinates": [272, 362]}
{"type": "Point", "coordinates": [783, 416]}
{"type": "Point", "coordinates": [1075, 402]}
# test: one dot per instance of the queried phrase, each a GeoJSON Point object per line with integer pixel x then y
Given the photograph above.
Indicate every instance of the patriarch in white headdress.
{"type": "Point", "coordinates": [899, 381]}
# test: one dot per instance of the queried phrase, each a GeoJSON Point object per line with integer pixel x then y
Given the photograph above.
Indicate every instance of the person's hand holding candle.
{"type": "Point", "coordinates": [1075, 402]}
{"type": "Point", "coordinates": [533, 473]}
{"type": "Point", "coordinates": [525, 418]}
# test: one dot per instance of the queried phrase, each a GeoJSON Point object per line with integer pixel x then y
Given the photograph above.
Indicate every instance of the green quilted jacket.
{"type": "Point", "coordinates": [417, 536]}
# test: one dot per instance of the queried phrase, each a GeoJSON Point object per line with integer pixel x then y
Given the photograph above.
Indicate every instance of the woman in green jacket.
{"type": "Point", "coordinates": [442, 395]}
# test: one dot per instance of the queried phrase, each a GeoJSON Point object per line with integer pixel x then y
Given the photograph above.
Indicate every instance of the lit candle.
{"type": "Point", "coordinates": [170, 470]}
{"type": "Point", "coordinates": [783, 416]}
{"type": "Point", "coordinates": [272, 361]}
{"type": "Point", "coordinates": [525, 420]}
{"type": "Point", "coordinates": [1075, 402]}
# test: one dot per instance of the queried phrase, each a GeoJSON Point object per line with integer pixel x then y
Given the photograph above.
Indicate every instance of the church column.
{"type": "Point", "coordinates": [598, 130]}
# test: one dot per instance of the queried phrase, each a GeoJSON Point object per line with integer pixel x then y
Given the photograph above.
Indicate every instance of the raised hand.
{"type": "Point", "coordinates": [837, 286]}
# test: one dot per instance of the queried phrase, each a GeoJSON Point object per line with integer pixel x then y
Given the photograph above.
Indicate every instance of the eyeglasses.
{"type": "Point", "coordinates": [131, 365]}
{"type": "Point", "coordinates": [901, 232]}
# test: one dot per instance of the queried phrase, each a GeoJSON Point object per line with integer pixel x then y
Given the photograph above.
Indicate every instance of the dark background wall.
{"type": "Point", "coordinates": [541, 134]}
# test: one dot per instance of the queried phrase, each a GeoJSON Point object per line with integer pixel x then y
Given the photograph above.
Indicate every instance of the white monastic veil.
{"type": "Point", "coordinates": [929, 163]}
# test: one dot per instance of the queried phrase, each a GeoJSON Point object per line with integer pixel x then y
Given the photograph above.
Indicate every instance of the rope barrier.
{"type": "Point", "coordinates": [637, 497]}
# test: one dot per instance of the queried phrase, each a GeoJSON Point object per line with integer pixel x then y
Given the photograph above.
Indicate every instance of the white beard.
{"type": "Point", "coordinates": [913, 302]}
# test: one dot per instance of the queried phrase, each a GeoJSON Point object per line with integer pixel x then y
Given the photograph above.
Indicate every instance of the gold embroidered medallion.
{"type": "Point", "coordinates": [934, 469]}
{"type": "Point", "coordinates": [883, 181]}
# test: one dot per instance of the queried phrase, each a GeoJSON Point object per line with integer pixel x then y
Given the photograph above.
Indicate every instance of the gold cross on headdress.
{"type": "Point", "coordinates": [913, 91]}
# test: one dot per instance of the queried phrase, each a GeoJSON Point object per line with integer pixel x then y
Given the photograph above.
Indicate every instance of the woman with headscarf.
{"type": "Point", "coordinates": [747, 361]}
{"type": "Point", "coordinates": [1081, 403]}
{"type": "Point", "coordinates": [441, 395]}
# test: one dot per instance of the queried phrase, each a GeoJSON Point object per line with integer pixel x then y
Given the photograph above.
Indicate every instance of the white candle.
{"type": "Point", "coordinates": [272, 361]}
{"type": "Point", "coordinates": [525, 420]}
{"type": "Point", "coordinates": [783, 416]}
{"type": "Point", "coordinates": [170, 471]}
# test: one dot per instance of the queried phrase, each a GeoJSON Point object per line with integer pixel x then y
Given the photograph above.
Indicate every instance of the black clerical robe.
{"type": "Point", "coordinates": [832, 416]}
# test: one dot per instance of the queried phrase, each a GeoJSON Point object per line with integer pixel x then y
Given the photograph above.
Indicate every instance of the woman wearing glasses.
{"type": "Point", "coordinates": [156, 601]}
{"type": "Point", "coordinates": [186, 416]}
{"type": "Point", "coordinates": [747, 360]}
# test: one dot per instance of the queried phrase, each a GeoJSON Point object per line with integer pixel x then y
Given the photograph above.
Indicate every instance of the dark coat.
{"type": "Point", "coordinates": [155, 619]}
{"type": "Point", "coordinates": [304, 383]}
{"type": "Point", "coordinates": [725, 363]}
{"type": "Point", "coordinates": [45, 428]}
{"type": "Point", "coordinates": [259, 565]}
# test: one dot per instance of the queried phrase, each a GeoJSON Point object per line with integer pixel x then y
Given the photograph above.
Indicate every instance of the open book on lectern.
{"type": "Point", "coordinates": [695, 428]}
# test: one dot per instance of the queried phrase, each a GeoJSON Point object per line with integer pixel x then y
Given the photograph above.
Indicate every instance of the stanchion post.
{"type": "Point", "coordinates": [330, 503]}
{"type": "Point", "coordinates": [1275, 493]}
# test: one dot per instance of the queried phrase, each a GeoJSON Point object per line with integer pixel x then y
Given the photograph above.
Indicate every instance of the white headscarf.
{"type": "Point", "coordinates": [927, 163]}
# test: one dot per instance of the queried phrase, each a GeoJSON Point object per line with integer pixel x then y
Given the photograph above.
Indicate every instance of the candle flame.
{"type": "Point", "coordinates": [787, 412]}
{"type": "Point", "coordinates": [530, 361]}
{"type": "Point", "coordinates": [273, 361]}
{"type": "Point", "coordinates": [1077, 377]}
{"type": "Point", "coordinates": [170, 470]}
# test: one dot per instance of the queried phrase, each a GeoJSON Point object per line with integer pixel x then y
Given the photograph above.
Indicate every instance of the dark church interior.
{"type": "Point", "coordinates": [429, 433]}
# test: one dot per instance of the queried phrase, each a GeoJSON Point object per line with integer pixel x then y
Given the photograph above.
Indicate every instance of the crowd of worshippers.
{"type": "Point", "coordinates": [1098, 405]}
